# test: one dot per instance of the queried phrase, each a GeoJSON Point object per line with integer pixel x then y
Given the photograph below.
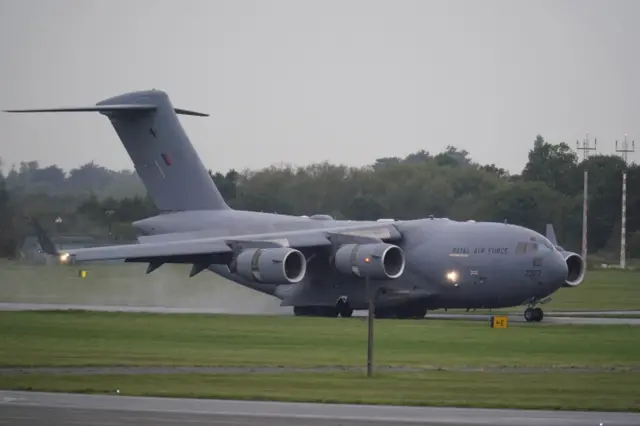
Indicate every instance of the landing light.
{"type": "Point", "coordinates": [452, 276]}
{"type": "Point", "coordinates": [64, 257]}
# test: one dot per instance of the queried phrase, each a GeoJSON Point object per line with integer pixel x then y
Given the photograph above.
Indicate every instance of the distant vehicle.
{"type": "Point", "coordinates": [317, 266]}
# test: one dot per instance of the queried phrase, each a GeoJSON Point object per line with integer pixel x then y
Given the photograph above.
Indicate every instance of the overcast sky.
{"type": "Point", "coordinates": [302, 81]}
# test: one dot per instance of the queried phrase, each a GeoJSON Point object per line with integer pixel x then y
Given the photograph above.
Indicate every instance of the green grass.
{"type": "Point", "coordinates": [132, 339]}
{"type": "Point", "coordinates": [566, 391]}
{"type": "Point", "coordinates": [108, 339]}
{"type": "Point", "coordinates": [597, 315]}
{"type": "Point", "coordinates": [601, 290]}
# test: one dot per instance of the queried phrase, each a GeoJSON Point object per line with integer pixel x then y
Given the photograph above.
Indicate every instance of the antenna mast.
{"type": "Point", "coordinates": [586, 148]}
{"type": "Point", "coordinates": [624, 152]}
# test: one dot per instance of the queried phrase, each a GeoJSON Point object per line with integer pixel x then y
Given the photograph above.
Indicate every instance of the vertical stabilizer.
{"type": "Point", "coordinates": [162, 153]}
{"type": "Point", "coordinates": [147, 124]}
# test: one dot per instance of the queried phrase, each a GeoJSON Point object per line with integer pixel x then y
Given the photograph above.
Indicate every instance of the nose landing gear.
{"type": "Point", "coordinates": [533, 314]}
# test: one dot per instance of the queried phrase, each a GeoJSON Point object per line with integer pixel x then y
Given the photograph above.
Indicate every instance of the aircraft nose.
{"type": "Point", "coordinates": [557, 268]}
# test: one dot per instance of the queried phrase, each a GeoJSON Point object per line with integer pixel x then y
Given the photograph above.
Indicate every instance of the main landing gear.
{"type": "Point", "coordinates": [407, 312]}
{"type": "Point", "coordinates": [532, 314]}
{"type": "Point", "coordinates": [341, 309]}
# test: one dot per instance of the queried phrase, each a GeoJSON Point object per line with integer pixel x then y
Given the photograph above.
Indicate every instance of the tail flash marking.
{"type": "Point", "coordinates": [167, 159]}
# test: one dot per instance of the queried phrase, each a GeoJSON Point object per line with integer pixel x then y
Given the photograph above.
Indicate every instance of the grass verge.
{"type": "Point", "coordinates": [564, 391]}
{"type": "Point", "coordinates": [134, 339]}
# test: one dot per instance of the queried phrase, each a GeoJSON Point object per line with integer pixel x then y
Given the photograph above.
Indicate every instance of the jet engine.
{"type": "Point", "coordinates": [576, 267]}
{"type": "Point", "coordinates": [378, 261]}
{"type": "Point", "coordinates": [281, 265]}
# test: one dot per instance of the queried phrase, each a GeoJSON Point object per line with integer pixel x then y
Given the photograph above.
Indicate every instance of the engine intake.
{"type": "Point", "coordinates": [576, 269]}
{"type": "Point", "coordinates": [281, 265]}
{"type": "Point", "coordinates": [379, 261]}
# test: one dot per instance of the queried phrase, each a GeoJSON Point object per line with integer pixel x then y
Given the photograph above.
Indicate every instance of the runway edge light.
{"type": "Point", "coordinates": [82, 273]}
{"type": "Point", "coordinates": [499, 321]}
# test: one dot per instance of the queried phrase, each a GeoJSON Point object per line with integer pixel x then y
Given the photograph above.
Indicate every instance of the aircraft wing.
{"type": "Point", "coordinates": [218, 249]}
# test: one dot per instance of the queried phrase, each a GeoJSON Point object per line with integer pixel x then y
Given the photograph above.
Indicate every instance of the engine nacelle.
{"type": "Point", "coordinates": [576, 267]}
{"type": "Point", "coordinates": [280, 265]}
{"type": "Point", "coordinates": [379, 261]}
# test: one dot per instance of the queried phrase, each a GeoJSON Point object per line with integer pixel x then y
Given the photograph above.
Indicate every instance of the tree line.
{"type": "Point", "coordinates": [93, 200]}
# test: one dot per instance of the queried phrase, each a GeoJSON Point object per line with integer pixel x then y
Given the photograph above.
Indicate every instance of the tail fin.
{"type": "Point", "coordinates": [45, 242]}
{"type": "Point", "coordinates": [147, 124]}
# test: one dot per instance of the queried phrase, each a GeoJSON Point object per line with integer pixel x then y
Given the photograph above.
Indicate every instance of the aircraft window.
{"type": "Point", "coordinates": [526, 248]}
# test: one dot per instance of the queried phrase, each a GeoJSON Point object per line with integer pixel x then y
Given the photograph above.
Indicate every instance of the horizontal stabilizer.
{"type": "Point", "coordinates": [108, 108]}
{"type": "Point", "coordinates": [181, 111]}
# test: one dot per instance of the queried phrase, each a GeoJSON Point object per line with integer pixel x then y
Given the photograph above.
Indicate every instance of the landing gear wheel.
{"type": "Point", "coordinates": [533, 315]}
{"type": "Point", "coordinates": [421, 313]}
{"type": "Point", "coordinates": [385, 313]}
{"type": "Point", "coordinates": [413, 312]}
{"type": "Point", "coordinates": [529, 314]}
{"type": "Point", "coordinates": [343, 308]}
{"type": "Point", "coordinates": [346, 312]}
{"type": "Point", "coordinates": [315, 311]}
{"type": "Point", "coordinates": [539, 314]}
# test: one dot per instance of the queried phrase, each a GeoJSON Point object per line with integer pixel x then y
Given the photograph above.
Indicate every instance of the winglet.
{"type": "Point", "coordinates": [551, 234]}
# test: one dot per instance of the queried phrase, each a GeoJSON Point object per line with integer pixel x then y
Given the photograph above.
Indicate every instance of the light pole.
{"type": "Point", "coordinates": [585, 197]}
{"type": "Point", "coordinates": [371, 300]}
{"type": "Point", "coordinates": [624, 151]}
{"type": "Point", "coordinates": [109, 214]}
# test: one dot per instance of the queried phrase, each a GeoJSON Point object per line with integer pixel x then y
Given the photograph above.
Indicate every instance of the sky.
{"type": "Point", "coordinates": [305, 81]}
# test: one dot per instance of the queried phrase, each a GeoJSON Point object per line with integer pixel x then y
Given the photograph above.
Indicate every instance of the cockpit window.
{"type": "Point", "coordinates": [527, 247]}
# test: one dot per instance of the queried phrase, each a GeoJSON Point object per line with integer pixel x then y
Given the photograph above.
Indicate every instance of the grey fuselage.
{"type": "Point", "coordinates": [492, 271]}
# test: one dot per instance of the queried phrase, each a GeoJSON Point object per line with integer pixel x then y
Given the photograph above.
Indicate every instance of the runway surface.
{"type": "Point", "coordinates": [565, 318]}
{"type": "Point", "coordinates": [35, 408]}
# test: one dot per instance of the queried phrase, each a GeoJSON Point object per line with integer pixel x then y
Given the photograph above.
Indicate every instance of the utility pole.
{"type": "Point", "coordinates": [586, 147]}
{"type": "Point", "coordinates": [371, 300]}
{"type": "Point", "coordinates": [624, 151]}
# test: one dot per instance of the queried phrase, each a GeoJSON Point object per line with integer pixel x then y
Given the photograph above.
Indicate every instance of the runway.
{"type": "Point", "coordinates": [35, 408]}
{"type": "Point", "coordinates": [561, 318]}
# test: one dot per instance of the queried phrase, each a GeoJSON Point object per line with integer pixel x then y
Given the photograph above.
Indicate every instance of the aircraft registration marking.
{"type": "Point", "coordinates": [532, 273]}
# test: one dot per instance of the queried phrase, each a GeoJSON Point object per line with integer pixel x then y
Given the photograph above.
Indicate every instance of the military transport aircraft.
{"type": "Point", "coordinates": [317, 264]}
